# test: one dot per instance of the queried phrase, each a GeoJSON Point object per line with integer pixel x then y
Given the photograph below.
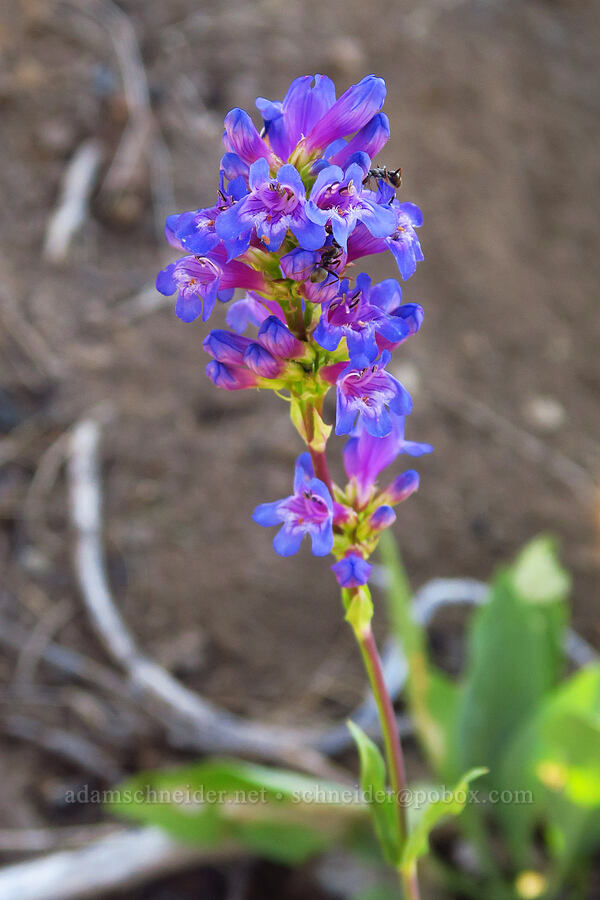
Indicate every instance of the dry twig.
{"type": "Point", "coordinates": [71, 747]}
{"type": "Point", "coordinates": [78, 182]}
{"type": "Point", "coordinates": [118, 861]}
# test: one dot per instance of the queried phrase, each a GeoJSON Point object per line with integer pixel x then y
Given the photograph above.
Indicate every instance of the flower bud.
{"type": "Point", "coordinates": [382, 518]}
{"type": "Point", "coordinates": [352, 571]}
{"type": "Point", "coordinates": [225, 346]}
{"type": "Point", "coordinates": [402, 487]}
{"type": "Point", "coordinates": [278, 339]}
{"type": "Point", "coordinates": [261, 362]}
{"type": "Point", "coordinates": [231, 378]}
{"type": "Point", "coordinates": [370, 140]}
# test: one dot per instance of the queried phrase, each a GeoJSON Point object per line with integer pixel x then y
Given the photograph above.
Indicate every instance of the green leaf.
{"type": "Point", "coordinates": [374, 788]}
{"type": "Point", "coordinates": [377, 892]}
{"type": "Point", "coordinates": [514, 658]}
{"type": "Point", "coordinates": [451, 803]}
{"type": "Point", "coordinates": [537, 574]}
{"type": "Point", "coordinates": [554, 757]}
{"type": "Point", "coordinates": [283, 815]}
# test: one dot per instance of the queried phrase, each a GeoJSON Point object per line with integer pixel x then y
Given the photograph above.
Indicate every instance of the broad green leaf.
{"type": "Point", "coordinates": [555, 757]}
{"type": "Point", "coordinates": [514, 658]}
{"type": "Point", "coordinates": [451, 803]}
{"type": "Point", "coordinates": [378, 892]}
{"type": "Point", "coordinates": [283, 815]}
{"type": "Point", "coordinates": [374, 788]}
{"type": "Point", "coordinates": [537, 574]}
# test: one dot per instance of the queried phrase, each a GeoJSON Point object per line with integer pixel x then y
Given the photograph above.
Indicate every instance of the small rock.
{"type": "Point", "coordinates": [545, 413]}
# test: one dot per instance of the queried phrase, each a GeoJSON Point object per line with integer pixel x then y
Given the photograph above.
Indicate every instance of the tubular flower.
{"type": "Point", "coordinates": [199, 280]}
{"type": "Point", "coordinates": [353, 314]}
{"type": "Point", "coordinates": [369, 395]}
{"type": "Point", "coordinates": [309, 510]}
{"type": "Point", "coordinates": [271, 207]}
{"type": "Point", "coordinates": [298, 204]}
{"type": "Point", "coordinates": [338, 200]}
{"type": "Point", "coordinates": [366, 456]}
{"type": "Point", "coordinates": [403, 240]}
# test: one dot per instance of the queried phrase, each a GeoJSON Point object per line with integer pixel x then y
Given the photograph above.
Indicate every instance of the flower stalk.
{"type": "Point", "coordinates": [298, 204]}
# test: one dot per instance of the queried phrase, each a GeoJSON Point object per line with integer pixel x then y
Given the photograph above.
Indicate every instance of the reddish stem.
{"type": "Point", "coordinates": [393, 749]}
{"type": "Point", "coordinates": [321, 467]}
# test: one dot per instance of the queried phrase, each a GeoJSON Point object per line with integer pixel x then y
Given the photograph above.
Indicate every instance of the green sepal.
{"type": "Point", "coordinates": [359, 609]}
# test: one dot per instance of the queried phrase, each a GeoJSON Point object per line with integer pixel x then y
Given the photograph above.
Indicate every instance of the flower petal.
{"type": "Point", "coordinates": [268, 514]}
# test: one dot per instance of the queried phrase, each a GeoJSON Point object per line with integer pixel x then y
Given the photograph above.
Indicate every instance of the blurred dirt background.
{"type": "Point", "coordinates": [494, 113]}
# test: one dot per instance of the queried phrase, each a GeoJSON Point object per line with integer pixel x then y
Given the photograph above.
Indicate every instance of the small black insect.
{"type": "Point", "coordinates": [392, 176]}
{"type": "Point", "coordinates": [327, 267]}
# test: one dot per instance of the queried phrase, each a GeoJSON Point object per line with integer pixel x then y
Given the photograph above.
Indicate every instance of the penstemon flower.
{"type": "Point", "coordinates": [295, 211]}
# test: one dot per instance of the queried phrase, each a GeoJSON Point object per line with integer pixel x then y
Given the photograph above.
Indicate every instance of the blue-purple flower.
{"type": "Point", "coordinates": [243, 141]}
{"type": "Point", "coordinates": [358, 314]}
{"type": "Point", "coordinates": [366, 456]}
{"type": "Point", "coordinates": [349, 114]}
{"type": "Point", "coordinates": [309, 510]}
{"type": "Point", "coordinates": [310, 118]}
{"type": "Point", "coordinates": [273, 205]}
{"type": "Point", "coordinates": [304, 105]}
{"type": "Point", "coordinates": [402, 240]}
{"type": "Point", "coordinates": [370, 396]}
{"type": "Point", "coordinates": [249, 310]}
{"type": "Point", "coordinates": [352, 570]}
{"type": "Point", "coordinates": [338, 200]}
{"type": "Point", "coordinates": [195, 231]}
{"type": "Point", "coordinates": [199, 280]}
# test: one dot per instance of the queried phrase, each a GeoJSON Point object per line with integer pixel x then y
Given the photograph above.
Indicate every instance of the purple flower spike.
{"type": "Point", "coordinates": [338, 199]}
{"type": "Point", "coordinates": [242, 138]}
{"type": "Point", "coordinates": [277, 338]}
{"type": "Point", "coordinates": [369, 394]}
{"type": "Point", "coordinates": [231, 378]}
{"type": "Point", "coordinates": [261, 362]}
{"type": "Point", "coordinates": [382, 518]}
{"type": "Point", "coordinates": [348, 114]}
{"type": "Point", "coordinates": [272, 206]}
{"type": "Point", "coordinates": [352, 571]}
{"type": "Point", "coordinates": [370, 140]}
{"type": "Point", "coordinates": [309, 510]}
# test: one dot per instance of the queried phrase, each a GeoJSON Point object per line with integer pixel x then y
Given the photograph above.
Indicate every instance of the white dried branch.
{"type": "Point", "coordinates": [72, 209]}
{"type": "Point", "coordinates": [118, 861]}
